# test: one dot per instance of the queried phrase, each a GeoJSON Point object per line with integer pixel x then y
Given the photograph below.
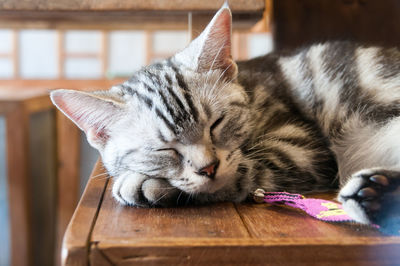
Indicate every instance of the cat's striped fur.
{"type": "Point", "coordinates": [199, 128]}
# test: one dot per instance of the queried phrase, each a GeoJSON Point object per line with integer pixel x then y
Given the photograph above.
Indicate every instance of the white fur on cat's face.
{"type": "Point", "coordinates": [139, 132]}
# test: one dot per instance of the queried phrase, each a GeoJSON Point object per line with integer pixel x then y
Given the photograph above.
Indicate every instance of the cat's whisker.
{"type": "Point", "coordinates": [161, 188]}
{"type": "Point", "coordinates": [222, 74]}
{"type": "Point", "coordinates": [228, 83]}
{"type": "Point", "coordinates": [99, 176]}
{"type": "Point", "coordinates": [189, 198]}
{"type": "Point", "coordinates": [161, 197]}
{"type": "Point", "coordinates": [180, 194]}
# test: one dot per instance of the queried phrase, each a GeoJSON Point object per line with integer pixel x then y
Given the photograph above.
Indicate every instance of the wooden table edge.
{"type": "Point", "coordinates": [75, 246]}
{"type": "Point", "coordinates": [198, 242]}
{"type": "Point", "coordinates": [250, 252]}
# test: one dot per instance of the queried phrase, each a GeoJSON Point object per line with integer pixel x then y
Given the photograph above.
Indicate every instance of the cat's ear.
{"type": "Point", "coordinates": [91, 112]}
{"type": "Point", "coordinates": [212, 48]}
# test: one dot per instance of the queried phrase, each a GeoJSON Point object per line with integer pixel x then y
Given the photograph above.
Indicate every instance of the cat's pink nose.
{"type": "Point", "coordinates": [210, 170]}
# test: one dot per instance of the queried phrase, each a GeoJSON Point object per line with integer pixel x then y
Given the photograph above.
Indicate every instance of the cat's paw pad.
{"type": "Point", "coordinates": [369, 195]}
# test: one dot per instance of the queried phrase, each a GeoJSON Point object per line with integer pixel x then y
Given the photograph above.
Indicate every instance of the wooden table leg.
{"type": "Point", "coordinates": [17, 136]}
{"type": "Point", "coordinates": [68, 152]}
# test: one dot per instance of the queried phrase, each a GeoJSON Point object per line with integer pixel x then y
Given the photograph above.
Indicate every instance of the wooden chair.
{"type": "Point", "coordinates": [18, 95]}
{"type": "Point", "coordinates": [17, 108]}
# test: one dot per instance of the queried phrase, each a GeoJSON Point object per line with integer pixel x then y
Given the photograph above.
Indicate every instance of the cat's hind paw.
{"type": "Point", "coordinates": [373, 197]}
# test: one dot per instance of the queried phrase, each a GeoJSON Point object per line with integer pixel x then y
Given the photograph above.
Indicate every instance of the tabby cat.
{"type": "Point", "coordinates": [200, 128]}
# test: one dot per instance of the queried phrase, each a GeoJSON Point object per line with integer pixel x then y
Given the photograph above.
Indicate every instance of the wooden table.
{"type": "Point", "coordinates": [102, 232]}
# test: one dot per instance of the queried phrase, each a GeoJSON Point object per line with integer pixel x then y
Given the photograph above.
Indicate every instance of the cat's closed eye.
{"type": "Point", "coordinates": [215, 124]}
{"type": "Point", "coordinates": [171, 151]}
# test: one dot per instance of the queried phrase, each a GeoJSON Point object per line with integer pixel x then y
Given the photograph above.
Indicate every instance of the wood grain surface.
{"type": "Point", "coordinates": [217, 234]}
{"type": "Point", "coordinates": [188, 222]}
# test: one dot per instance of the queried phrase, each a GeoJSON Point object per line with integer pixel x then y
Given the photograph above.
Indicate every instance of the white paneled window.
{"type": "Point", "coordinates": [5, 41]}
{"type": "Point", "coordinates": [82, 50]}
{"type": "Point", "coordinates": [6, 52]}
{"type": "Point", "coordinates": [259, 44]}
{"type": "Point", "coordinates": [6, 68]}
{"type": "Point", "coordinates": [169, 42]}
{"type": "Point", "coordinates": [38, 54]}
{"type": "Point", "coordinates": [83, 68]}
{"type": "Point", "coordinates": [85, 41]}
{"type": "Point", "coordinates": [127, 52]}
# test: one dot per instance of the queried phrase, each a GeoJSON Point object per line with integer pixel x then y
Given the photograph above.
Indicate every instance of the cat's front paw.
{"type": "Point", "coordinates": [139, 190]}
{"type": "Point", "coordinates": [373, 197]}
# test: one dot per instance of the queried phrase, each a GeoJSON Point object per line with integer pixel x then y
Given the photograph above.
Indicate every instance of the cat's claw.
{"type": "Point", "coordinates": [372, 196]}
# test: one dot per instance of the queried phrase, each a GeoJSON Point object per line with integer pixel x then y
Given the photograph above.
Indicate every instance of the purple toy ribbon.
{"type": "Point", "coordinates": [324, 210]}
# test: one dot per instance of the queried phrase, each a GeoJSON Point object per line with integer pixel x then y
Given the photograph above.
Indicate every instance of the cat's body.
{"type": "Point", "coordinates": [199, 128]}
{"type": "Point", "coordinates": [347, 94]}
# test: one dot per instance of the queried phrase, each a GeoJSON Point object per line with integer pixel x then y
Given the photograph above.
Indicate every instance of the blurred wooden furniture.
{"type": "Point", "coordinates": [298, 23]}
{"type": "Point", "coordinates": [102, 232]}
{"type": "Point", "coordinates": [19, 100]}
{"type": "Point", "coordinates": [129, 14]}
{"type": "Point", "coordinates": [17, 107]}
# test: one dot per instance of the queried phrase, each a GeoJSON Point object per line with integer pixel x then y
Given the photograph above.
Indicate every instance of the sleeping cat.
{"type": "Point", "coordinates": [200, 128]}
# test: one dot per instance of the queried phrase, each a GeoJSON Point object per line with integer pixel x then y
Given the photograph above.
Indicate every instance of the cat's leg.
{"type": "Point", "coordinates": [369, 169]}
{"type": "Point", "coordinates": [139, 190]}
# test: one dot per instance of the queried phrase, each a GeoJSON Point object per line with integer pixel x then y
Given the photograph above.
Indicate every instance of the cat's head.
{"type": "Point", "coordinates": [182, 119]}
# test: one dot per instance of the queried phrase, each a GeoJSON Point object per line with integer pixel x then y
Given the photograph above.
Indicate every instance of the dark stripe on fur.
{"type": "Point", "coordinates": [183, 114]}
{"type": "Point", "coordinates": [176, 119]}
{"type": "Point", "coordinates": [143, 98]}
{"type": "Point", "coordinates": [238, 104]}
{"type": "Point", "coordinates": [148, 88]}
{"type": "Point", "coordinates": [182, 84]}
{"type": "Point", "coordinates": [388, 62]}
{"type": "Point", "coordinates": [167, 123]}
{"type": "Point", "coordinates": [161, 137]}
